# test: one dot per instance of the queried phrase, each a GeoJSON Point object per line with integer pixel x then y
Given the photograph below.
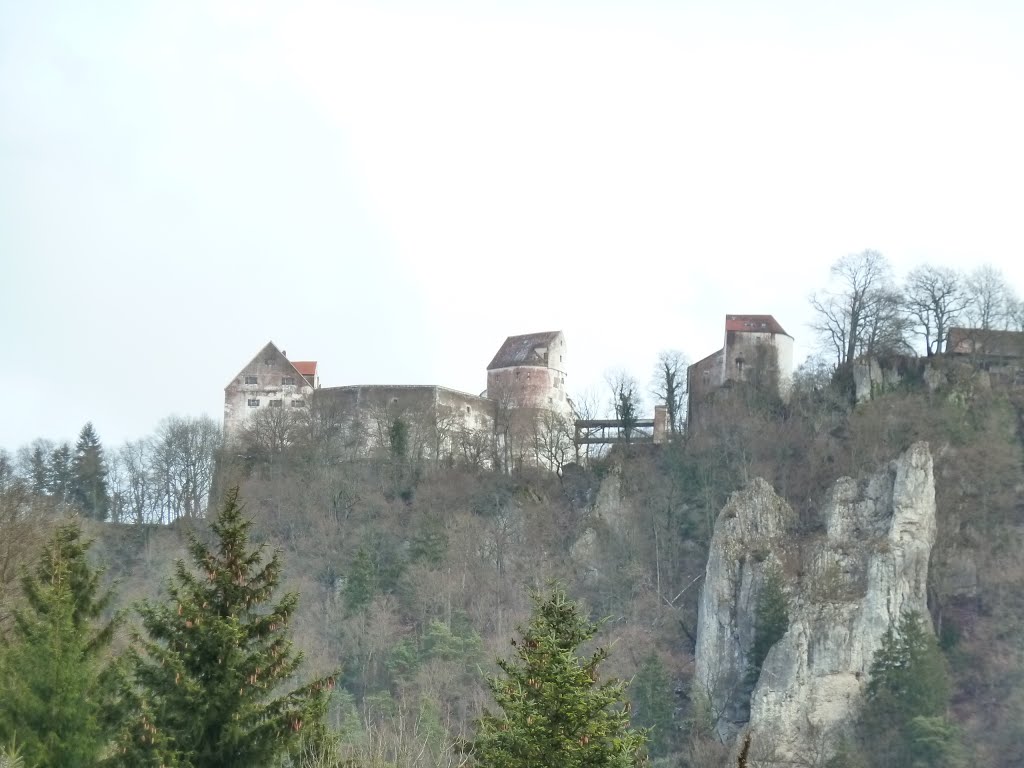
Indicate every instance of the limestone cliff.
{"type": "Point", "coordinates": [845, 588]}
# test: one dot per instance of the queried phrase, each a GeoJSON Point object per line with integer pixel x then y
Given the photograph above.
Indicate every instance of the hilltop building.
{"type": "Point", "coordinates": [529, 371]}
{"type": "Point", "coordinates": [756, 349]}
{"type": "Point", "coordinates": [526, 389]}
{"type": "Point", "coordinates": [990, 345]}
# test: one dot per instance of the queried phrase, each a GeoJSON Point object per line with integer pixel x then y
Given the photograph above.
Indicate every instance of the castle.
{"type": "Point", "coordinates": [756, 349]}
{"type": "Point", "coordinates": [523, 416]}
{"type": "Point", "coordinates": [526, 394]}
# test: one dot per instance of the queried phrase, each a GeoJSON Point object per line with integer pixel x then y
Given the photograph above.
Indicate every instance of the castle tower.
{"type": "Point", "coordinates": [529, 372]}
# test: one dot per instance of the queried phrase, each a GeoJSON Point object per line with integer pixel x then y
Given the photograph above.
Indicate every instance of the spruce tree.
{"type": "Point", "coordinates": [212, 657]}
{"type": "Point", "coordinates": [53, 672]}
{"type": "Point", "coordinates": [907, 696]}
{"type": "Point", "coordinates": [554, 708]}
{"type": "Point", "coordinates": [60, 477]}
{"type": "Point", "coordinates": [771, 620]}
{"type": "Point", "coordinates": [89, 475]}
{"type": "Point", "coordinates": [652, 699]}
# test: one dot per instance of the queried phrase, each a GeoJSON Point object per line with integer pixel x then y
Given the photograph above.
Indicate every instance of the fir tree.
{"type": "Point", "coordinates": [554, 709]}
{"type": "Point", "coordinates": [89, 475]}
{"type": "Point", "coordinates": [213, 657]}
{"type": "Point", "coordinates": [52, 670]}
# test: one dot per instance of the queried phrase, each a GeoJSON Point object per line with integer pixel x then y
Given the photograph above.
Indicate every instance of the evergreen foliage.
{"type": "Point", "coordinates": [52, 672]}
{"type": "Point", "coordinates": [771, 620]}
{"type": "Point", "coordinates": [554, 709]}
{"type": "Point", "coordinates": [904, 716]}
{"type": "Point", "coordinates": [651, 695]}
{"type": "Point", "coordinates": [89, 475]}
{"type": "Point", "coordinates": [59, 476]}
{"type": "Point", "coordinates": [213, 658]}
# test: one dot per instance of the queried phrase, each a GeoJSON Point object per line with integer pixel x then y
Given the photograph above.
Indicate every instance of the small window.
{"type": "Point", "coordinates": [469, 409]}
{"type": "Point", "coordinates": [288, 381]}
{"type": "Point", "coordinates": [251, 380]}
{"type": "Point", "coordinates": [298, 403]}
{"type": "Point", "coordinates": [561, 359]}
{"type": "Point", "coordinates": [269, 361]}
{"type": "Point", "coordinates": [276, 403]}
{"type": "Point", "coordinates": [254, 402]}
{"type": "Point", "coordinates": [394, 400]}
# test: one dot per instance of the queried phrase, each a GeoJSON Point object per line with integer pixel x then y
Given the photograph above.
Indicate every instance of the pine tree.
{"type": "Point", "coordinates": [89, 475]}
{"type": "Point", "coordinates": [554, 709]}
{"type": "Point", "coordinates": [212, 658]}
{"type": "Point", "coordinates": [52, 670]}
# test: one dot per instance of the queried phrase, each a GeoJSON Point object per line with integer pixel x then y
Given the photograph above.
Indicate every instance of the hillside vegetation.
{"type": "Point", "coordinates": [414, 576]}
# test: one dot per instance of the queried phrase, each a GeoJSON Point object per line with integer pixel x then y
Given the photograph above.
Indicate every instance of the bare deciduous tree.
{"type": "Point", "coordinates": [861, 314]}
{"type": "Point", "coordinates": [625, 400]}
{"type": "Point", "coordinates": [992, 302]}
{"type": "Point", "coordinates": [183, 456]}
{"type": "Point", "coordinates": [668, 385]}
{"type": "Point", "coordinates": [552, 440]}
{"type": "Point", "coordinates": [935, 298]}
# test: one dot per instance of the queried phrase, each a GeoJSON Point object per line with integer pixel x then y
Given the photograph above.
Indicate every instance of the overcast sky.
{"type": "Point", "coordinates": [393, 188]}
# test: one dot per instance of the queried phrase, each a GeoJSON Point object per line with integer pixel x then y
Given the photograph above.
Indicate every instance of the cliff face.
{"type": "Point", "coordinates": [844, 589]}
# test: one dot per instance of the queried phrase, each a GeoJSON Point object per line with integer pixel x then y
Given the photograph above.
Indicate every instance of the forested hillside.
{"type": "Point", "coordinates": [414, 576]}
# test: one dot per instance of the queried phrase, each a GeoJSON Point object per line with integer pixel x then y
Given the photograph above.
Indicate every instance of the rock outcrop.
{"type": "Point", "coordinates": [846, 587]}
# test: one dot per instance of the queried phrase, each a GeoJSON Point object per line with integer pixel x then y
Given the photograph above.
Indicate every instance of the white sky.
{"type": "Point", "coordinates": [393, 188]}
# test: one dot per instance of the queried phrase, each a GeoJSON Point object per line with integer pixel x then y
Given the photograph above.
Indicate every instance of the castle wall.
{"type": "Point", "coordinates": [764, 355]}
{"type": "Point", "coordinates": [527, 386]}
{"type": "Point", "coordinates": [702, 378]}
{"type": "Point", "coordinates": [436, 417]}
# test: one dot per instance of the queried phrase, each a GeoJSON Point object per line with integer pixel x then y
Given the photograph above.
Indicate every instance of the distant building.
{"type": "Point", "coordinates": [995, 346]}
{"type": "Point", "coordinates": [269, 380]}
{"type": "Point", "coordinates": [529, 371]}
{"type": "Point", "coordinates": [756, 348]}
{"type": "Point", "coordinates": [526, 380]}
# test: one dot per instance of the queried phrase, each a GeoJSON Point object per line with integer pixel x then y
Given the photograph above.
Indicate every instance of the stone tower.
{"type": "Point", "coordinates": [529, 372]}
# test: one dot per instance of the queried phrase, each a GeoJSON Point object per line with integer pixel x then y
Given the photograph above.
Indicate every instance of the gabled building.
{"type": "Point", "coordinates": [755, 349]}
{"type": "Point", "coordinates": [526, 379]}
{"type": "Point", "coordinates": [269, 380]}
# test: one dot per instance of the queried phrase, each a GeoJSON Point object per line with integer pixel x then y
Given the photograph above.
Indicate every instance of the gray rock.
{"type": "Point", "coordinates": [869, 567]}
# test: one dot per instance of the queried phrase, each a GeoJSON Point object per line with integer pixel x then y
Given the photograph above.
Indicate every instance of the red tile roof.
{"type": "Point", "coordinates": [753, 324]}
{"type": "Point", "coordinates": [305, 367]}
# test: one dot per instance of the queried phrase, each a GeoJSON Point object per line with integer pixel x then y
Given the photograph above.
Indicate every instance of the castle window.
{"type": "Point", "coordinates": [251, 380]}
{"type": "Point", "coordinates": [276, 403]}
{"type": "Point", "coordinates": [254, 402]}
{"type": "Point", "coordinates": [298, 403]}
{"type": "Point", "coordinates": [288, 381]}
{"type": "Point", "coordinates": [469, 409]}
